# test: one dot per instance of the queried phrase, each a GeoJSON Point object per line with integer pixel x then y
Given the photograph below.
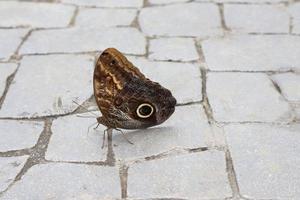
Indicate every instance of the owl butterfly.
{"type": "Point", "coordinates": [125, 97]}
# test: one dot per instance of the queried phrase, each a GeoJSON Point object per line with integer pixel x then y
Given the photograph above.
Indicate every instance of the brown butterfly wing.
{"type": "Point", "coordinates": [112, 72]}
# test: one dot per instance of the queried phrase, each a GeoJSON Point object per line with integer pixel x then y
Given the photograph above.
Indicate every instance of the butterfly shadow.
{"type": "Point", "coordinates": [139, 136]}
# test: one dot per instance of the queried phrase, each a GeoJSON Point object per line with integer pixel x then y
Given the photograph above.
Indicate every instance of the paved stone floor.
{"type": "Point", "coordinates": [233, 65]}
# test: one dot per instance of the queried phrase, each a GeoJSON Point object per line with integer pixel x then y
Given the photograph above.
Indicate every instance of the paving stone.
{"type": "Point", "coordinates": [67, 181]}
{"type": "Point", "coordinates": [248, 1]}
{"type": "Point", "coordinates": [266, 160]}
{"type": "Point", "coordinates": [187, 128]}
{"type": "Point", "coordinates": [9, 168]}
{"type": "Point", "coordinates": [191, 19]}
{"type": "Point", "coordinates": [81, 39]}
{"type": "Point", "coordinates": [294, 11]}
{"type": "Point", "coordinates": [93, 17]}
{"type": "Point", "coordinates": [71, 140]}
{"type": "Point", "coordinates": [107, 3]}
{"type": "Point", "coordinates": [18, 134]}
{"type": "Point", "coordinates": [289, 84]}
{"type": "Point", "coordinates": [238, 97]}
{"type": "Point", "coordinates": [186, 89]}
{"type": "Point", "coordinates": [252, 52]}
{"type": "Point", "coordinates": [176, 49]}
{"type": "Point", "coordinates": [48, 85]}
{"type": "Point", "coordinates": [166, 1]}
{"type": "Point", "coordinates": [9, 40]}
{"type": "Point", "coordinates": [190, 176]}
{"type": "Point", "coordinates": [42, 15]}
{"type": "Point", "coordinates": [6, 69]}
{"type": "Point", "coordinates": [244, 18]}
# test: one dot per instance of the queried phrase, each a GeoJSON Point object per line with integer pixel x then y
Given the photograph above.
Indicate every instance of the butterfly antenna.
{"type": "Point", "coordinates": [84, 108]}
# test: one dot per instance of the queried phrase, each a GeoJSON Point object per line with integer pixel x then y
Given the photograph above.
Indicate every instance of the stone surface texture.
{"type": "Point", "coordinates": [67, 181]}
{"type": "Point", "coordinates": [289, 85]}
{"type": "Point", "coordinates": [29, 14]}
{"type": "Point", "coordinates": [257, 18]}
{"type": "Point", "coordinates": [10, 40]}
{"type": "Point", "coordinates": [48, 85]}
{"type": "Point", "coordinates": [263, 169]}
{"type": "Point", "coordinates": [252, 52]}
{"type": "Point", "coordinates": [255, 100]}
{"type": "Point", "coordinates": [190, 19]}
{"type": "Point", "coordinates": [175, 49]}
{"type": "Point", "coordinates": [9, 168]}
{"type": "Point", "coordinates": [79, 145]}
{"type": "Point", "coordinates": [6, 70]}
{"type": "Point", "coordinates": [233, 66]}
{"type": "Point", "coordinates": [18, 134]}
{"type": "Point", "coordinates": [204, 171]}
{"type": "Point", "coordinates": [81, 39]}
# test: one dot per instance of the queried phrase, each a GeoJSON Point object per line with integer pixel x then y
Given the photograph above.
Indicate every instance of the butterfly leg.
{"type": "Point", "coordinates": [124, 135]}
{"type": "Point", "coordinates": [103, 139]}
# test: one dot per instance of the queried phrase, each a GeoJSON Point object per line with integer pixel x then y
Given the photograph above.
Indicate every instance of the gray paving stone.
{"type": "Point", "coordinates": [9, 40]}
{"type": "Point", "coordinates": [166, 1]}
{"type": "Point", "coordinates": [93, 17]}
{"type": "Point", "coordinates": [9, 168]}
{"type": "Point", "coordinates": [107, 3]}
{"type": "Point", "coordinates": [48, 85]}
{"type": "Point", "coordinates": [289, 84]}
{"type": "Point", "coordinates": [295, 13]}
{"type": "Point", "coordinates": [6, 69]}
{"type": "Point", "coordinates": [186, 89]}
{"type": "Point", "coordinates": [18, 134]}
{"type": "Point", "coordinates": [252, 52]}
{"type": "Point", "coordinates": [71, 140]}
{"type": "Point", "coordinates": [42, 15]}
{"type": "Point", "coordinates": [81, 39]}
{"type": "Point", "coordinates": [257, 18]}
{"type": "Point", "coordinates": [238, 97]}
{"type": "Point", "coordinates": [191, 176]}
{"type": "Point", "coordinates": [176, 49]}
{"type": "Point", "coordinates": [186, 128]}
{"type": "Point", "coordinates": [266, 160]}
{"type": "Point", "coordinates": [67, 181]}
{"type": "Point", "coordinates": [190, 19]}
{"type": "Point", "coordinates": [248, 1]}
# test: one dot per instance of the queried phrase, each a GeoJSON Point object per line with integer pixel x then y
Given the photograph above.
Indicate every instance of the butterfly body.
{"type": "Point", "coordinates": [125, 97]}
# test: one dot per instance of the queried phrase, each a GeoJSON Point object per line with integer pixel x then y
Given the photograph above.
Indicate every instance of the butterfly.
{"type": "Point", "coordinates": [125, 97]}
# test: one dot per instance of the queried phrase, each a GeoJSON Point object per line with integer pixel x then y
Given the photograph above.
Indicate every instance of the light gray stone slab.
{"type": "Point", "coordinates": [6, 69]}
{"type": "Point", "coordinates": [42, 15]}
{"type": "Point", "coordinates": [186, 89]}
{"type": "Point", "coordinates": [266, 160]}
{"type": "Point", "coordinates": [67, 181]}
{"type": "Point", "coordinates": [18, 134]}
{"type": "Point", "coordinates": [238, 97]}
{"type": "Point", "coordinates": [94, 17]}
{"type": "Point", "coordinates": [48, 85]}
{"type": "Point", "coordinates": [256, 18]}
{"type": "Point", "coordinates": [289, 84]}
{"type": "Point", "coordinates": [71, 140]}
{"type": "Point", "coordinates": [186, 128]}
{"type": "Point", "coordinates": [252, 52]}
{"type": "Point", "coordinates": [249, 1]}
{"type": "Point", "coordinates": [9, 40]}
{"type": "Point", "coordinates": [176, 49]}
{"type": "Point", "coordinates": [80, 39]}
{"type": "Point", "coordinates": [190, 19]}
{"type": "Point", "coordinates": [9, 168]}
{"type": "Point", "coordinates": [189, 177]}
{"type": "Point", "coordinates": [166, 1]}
{"type": "Point", "coordinates": [107, 3]}
{"type": "Point", "coordinates": [295, 13]}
